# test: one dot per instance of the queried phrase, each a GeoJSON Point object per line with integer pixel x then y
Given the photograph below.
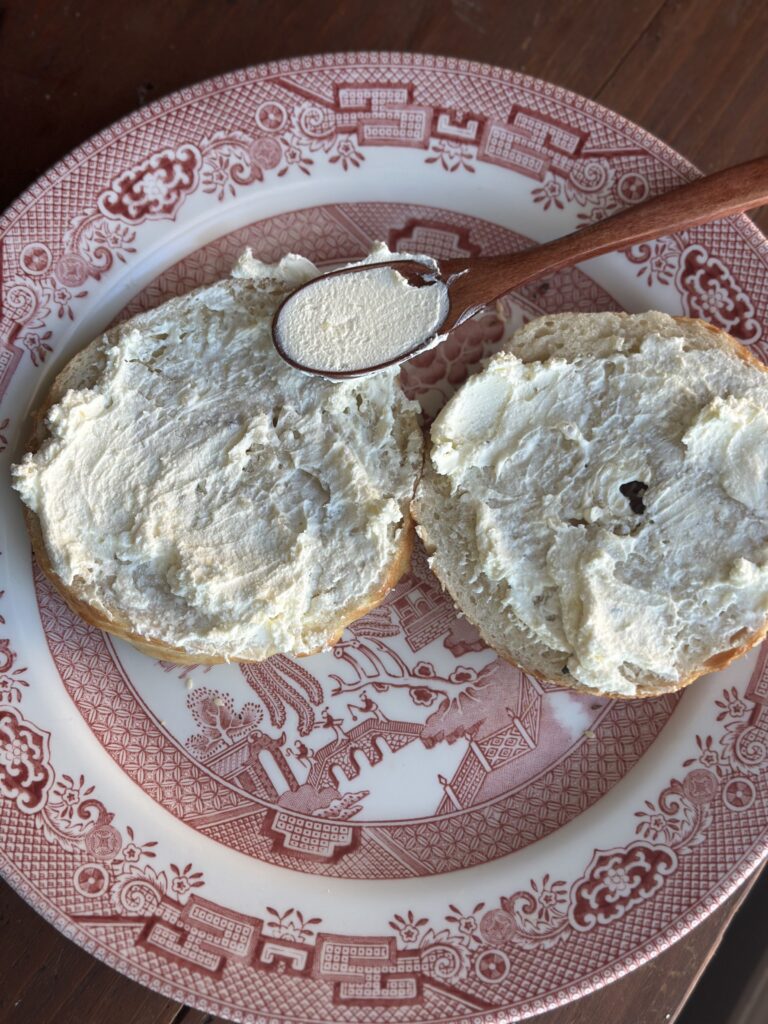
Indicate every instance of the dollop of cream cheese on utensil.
{"type": "Point", "coordinates": [352, 323]}
{"type": "Point", "coordinates": [537, 454]}
{"type": "Point", "coordinates": [212, 496]}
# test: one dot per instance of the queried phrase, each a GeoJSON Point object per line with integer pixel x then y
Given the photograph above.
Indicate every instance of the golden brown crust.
{"type": "Point", "coordinates": [735, 346]}
{"type": "Point", "coordinates": [714, 664]}
{"type": "Point", "coordinates": [157, 649]}
{"type": "Point", "coordinates": [398, 569]}
{"type": "Point", "coordinates": [120, 627]}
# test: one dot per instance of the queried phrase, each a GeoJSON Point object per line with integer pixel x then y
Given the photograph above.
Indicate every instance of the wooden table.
{"type": "Point", "coordinates": [694, 72]}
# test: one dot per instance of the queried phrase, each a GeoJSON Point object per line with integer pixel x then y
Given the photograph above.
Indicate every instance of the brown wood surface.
{"type": "Point", "coordinates": [694, 72]}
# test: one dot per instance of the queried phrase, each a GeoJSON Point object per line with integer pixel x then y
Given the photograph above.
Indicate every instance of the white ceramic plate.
{"type": "Point", "coordinates": [405, 828]}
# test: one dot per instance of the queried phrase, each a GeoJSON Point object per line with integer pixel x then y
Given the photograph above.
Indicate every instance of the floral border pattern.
{"type": "Point", "coordinates": [114, 873]}
{"type": "Point", "coordinates": [467, 956]}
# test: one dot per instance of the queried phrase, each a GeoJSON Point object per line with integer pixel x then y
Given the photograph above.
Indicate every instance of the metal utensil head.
{"type": "Point", "coordinates": [417, 274]}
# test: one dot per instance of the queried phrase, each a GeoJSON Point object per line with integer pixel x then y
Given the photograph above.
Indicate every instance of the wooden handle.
{"type": "Point", "coordinates": [718, 195]}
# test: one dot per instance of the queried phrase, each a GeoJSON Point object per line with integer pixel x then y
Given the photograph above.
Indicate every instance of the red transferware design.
{"type": "Point", "coordinates": [394, 830]}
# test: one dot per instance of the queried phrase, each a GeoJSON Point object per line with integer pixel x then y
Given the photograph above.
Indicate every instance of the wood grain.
{"type": "Point", "coordinates": [46, 978]}
{"type": "Point", "coordinates": [656, 994]}
{"type": "Point", "coordinates": [69, 69]}
{"type": "Point", "coordinates": [697, 78]}
{"type": "Point", "coordinates": [678, 68]}
{"type": "Point", "coordinates": [694, 72]}
{"type": "Point", "coordinates": [482, 279]}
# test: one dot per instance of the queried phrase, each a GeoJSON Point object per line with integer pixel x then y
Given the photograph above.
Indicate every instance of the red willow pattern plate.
{"type": "Point", "coordinates": [404, 828]}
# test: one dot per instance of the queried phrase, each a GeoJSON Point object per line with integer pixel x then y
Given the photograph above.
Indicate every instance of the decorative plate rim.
{"type": "Point", "coordinates": [751, 235]}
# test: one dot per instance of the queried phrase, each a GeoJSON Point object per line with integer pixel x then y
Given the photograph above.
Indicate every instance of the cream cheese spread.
{"type": "Point", "coordinates": [352, 323]}
{"type": "Point", "coordinates": [210, 495]}
{"type": "Point", "coordinates": [729, 435]}
{"type": "Point", "coordinates": [617, 503]}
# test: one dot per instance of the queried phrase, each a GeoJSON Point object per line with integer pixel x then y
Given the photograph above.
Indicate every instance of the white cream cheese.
{"type": "Point", "coordinates": [351, 323]}
{"type": "Point", "coordinates": [729, 435]}
{"type": "Point", "coordinates": [215, 498]}
{"type": "Point", "coordinates": [536, 455]}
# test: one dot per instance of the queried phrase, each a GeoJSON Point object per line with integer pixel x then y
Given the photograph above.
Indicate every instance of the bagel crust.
{"type": "Point", "coordinates": [246, 509]}
{"type": "Point", "coordinates": [464, 522]}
